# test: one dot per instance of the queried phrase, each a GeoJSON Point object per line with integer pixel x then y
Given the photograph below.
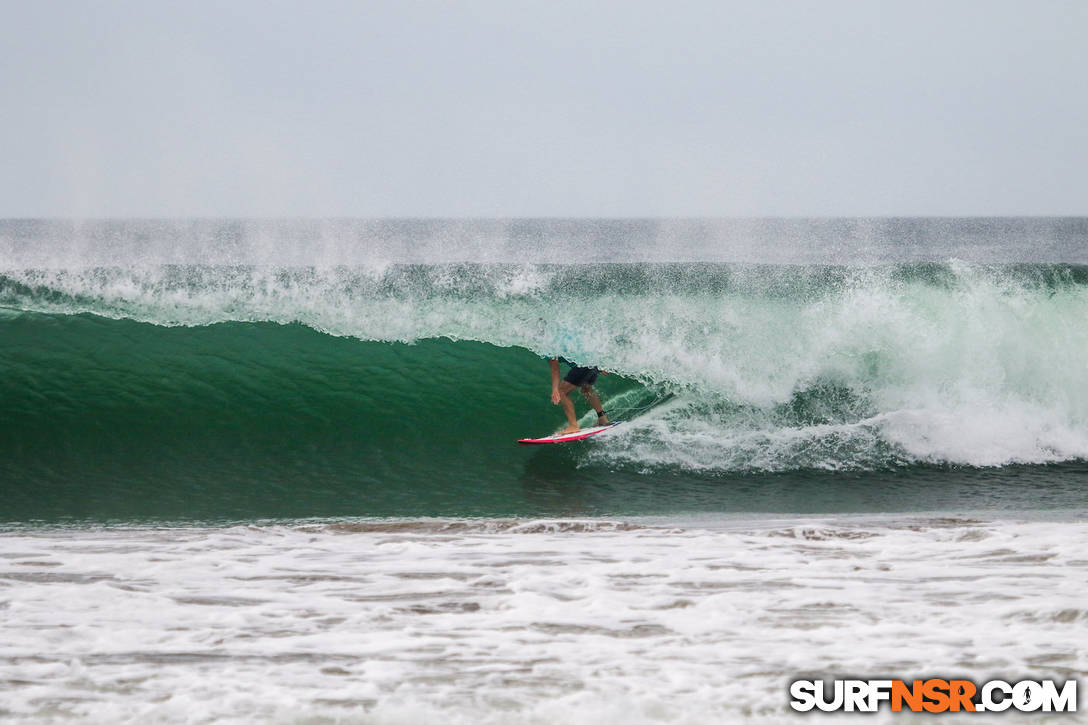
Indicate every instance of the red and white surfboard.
{"type": "Point", "coordinates": [568, 437]}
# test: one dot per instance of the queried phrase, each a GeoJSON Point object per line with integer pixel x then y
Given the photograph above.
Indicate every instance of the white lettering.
{"type": "Point", "coordinates": [1065, 701]}
{"type": "Point", "coordinates": [856, 696]}
{"type": "Point", "coordinates": [821, 696]}
{"type": "Point", "coordinates": [803, 693]}
{"type": "Point", "coordinates": [879, 691]}
{"type": "Point", "coordinates": [1027, 696]}
{"type": "Point", "coordinates": [988, 701]}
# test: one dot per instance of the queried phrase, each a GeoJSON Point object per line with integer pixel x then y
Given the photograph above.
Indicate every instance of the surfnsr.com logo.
{"type": "Point", "coordinates": [934, 695]}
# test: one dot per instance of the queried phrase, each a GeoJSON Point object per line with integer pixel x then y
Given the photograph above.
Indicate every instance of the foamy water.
{"type": "Point", "coordinates": [471, 621]}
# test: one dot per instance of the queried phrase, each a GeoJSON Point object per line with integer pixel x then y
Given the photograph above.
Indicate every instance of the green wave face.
{"type": "Point", "coordinates": [241, 392]}
{"type": "Point", "coordinates": [108, 418]}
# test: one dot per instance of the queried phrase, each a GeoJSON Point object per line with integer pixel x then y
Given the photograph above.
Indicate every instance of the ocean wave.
{"type": "Point", "coordinates": [422, 373]}
{"type": "Point", "coordinates": [772, 368]}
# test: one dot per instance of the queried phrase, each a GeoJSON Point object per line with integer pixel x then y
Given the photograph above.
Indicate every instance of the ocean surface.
{"type": "Point", "coordinates": [266, 470]}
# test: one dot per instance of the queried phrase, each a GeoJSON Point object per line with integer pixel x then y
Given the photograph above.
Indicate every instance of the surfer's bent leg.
{"type": "Point", "coordinates": [595, 402]}
{"type": "Point", "coordinates": [568, 407]}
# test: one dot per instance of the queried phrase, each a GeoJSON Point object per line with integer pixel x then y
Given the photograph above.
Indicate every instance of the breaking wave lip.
{"type": "Point", "coordinates": [196, 295]}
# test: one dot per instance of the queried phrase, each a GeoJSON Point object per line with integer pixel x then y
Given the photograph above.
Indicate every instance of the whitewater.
{"type": "Point", "coordinates": [526, 621]}
{"type": "Point", "coordinates": [266, 471]}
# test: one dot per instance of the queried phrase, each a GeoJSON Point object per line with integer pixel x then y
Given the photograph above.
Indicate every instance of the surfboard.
{"type": "Point", "coordinates": [569, 437]}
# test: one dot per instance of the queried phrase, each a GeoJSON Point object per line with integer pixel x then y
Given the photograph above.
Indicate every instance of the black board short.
{"type": "Point", "coordinates": [581, 376]}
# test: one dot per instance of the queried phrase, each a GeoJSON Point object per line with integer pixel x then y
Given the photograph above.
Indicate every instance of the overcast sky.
{"type": "Point", "coordinates": [504, 108]}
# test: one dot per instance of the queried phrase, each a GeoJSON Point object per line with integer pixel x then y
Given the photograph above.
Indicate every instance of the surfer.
{"type": "Point", "coordinates": [577, 377]}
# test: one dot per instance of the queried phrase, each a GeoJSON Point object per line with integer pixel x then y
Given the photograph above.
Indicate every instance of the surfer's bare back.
{"type": "Point", "coordinates": [577, 377]}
